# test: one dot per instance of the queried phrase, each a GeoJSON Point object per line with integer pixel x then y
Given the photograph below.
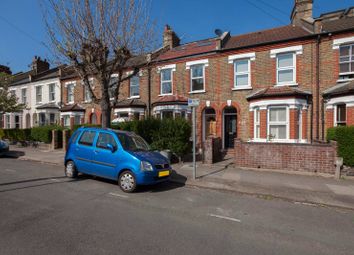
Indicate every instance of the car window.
{"type": "Point", "coordinates": [133, 142]}
{"type": "Point", "coordinates": [87, 138]}
{"type": "Point", "coordinates": [104, 139]}
{"type": "Point", "coordinates": [74, 137]}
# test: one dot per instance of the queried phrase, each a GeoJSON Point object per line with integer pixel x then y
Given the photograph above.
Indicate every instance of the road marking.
{"type": "Point", "coordinates": [117, 195]}
{"type": "Point", "coordinates": [304, 203]}
{"type": "Point", "coordinates": [54, 180]}
{"type": "Point", "coordinates": [224, 217]}
{"type": "Point", "coordinates": [10, 170]}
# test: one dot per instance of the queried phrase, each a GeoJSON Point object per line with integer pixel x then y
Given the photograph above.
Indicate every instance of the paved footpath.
{"type": "Point", "coordinates": [223, 176]}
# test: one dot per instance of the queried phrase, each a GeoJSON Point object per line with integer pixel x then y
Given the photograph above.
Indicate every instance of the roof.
{"type": "Point", "coordinates": [130, 103]}
{"type": "Point", "coordinates": [340, 89]}
{"type": "Point", "coordinates": [280, 91]}
{"type": "Point", "coordinates": [266, 36]}
{"type": "Point", "coordinates": [72, 108]}
{"type": "Point", "coordinates": [22, 78]}
{"type": "Point", "coordinates": [48, 106]}
{"type": "Point", "coordinates": [338, 24]}
{"type": "Point", "coordinates": [193, 48]}
{"type": "Point", "coordinates": [171, 99]}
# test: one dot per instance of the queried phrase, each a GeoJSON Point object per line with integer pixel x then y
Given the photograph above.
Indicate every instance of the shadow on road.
{"type": "Point", "coordinates": [13, 154]}
{"type": "Point", "coordinates": [32, 180]}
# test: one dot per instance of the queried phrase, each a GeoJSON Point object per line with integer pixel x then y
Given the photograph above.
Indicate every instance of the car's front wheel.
{"type": "Point", "coordinates": [70, 170]}
{"type": "Point", "coordinates": [127, 181]}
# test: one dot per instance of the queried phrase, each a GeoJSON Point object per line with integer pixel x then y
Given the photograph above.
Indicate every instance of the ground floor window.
{"type": "Point", "coordinates": [42, 119]}
{"type": "Point", "coordinates": [277, 123]}
{"type": "Point", "coordinates": [93, 118]}
{"type": "Point", "coordinates": [341, 115]}
{"type": "Point", "coordinates": [77, 120]}
{"type": "Point", "coordinates": [8, 122]}
{"type": "Point", "coordinates": [17, 121]}
{"type": "Point", "coordinates": [167, 114]}
{"type": "Point", "coordinates": [52, 118]}
{"type": "Point", "coordinates": [171, 112]}
{"type": "Point", "coordinates": [257, 124]}
{"type": "Point", "coordinates": [66, 120]}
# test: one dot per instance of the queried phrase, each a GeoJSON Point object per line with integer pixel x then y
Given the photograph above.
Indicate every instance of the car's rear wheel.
{"type": "Point", "coordinates": [127, 181]}
{"type": "Point", "coordinates": [70, 170]}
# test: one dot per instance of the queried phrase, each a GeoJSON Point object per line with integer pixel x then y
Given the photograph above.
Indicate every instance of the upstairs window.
{"type": "Point", "coordinates": [277, 123]}
{"type": "Point", "coordinates": [39, 94]}
{"type": "Point", "coordinates": [70, 93]}
{"type": "Point", "coordinates": [134, 86]}
{"type": "Point", "coordinates": [51, 92]}
{"type": "Point", "coordinates": [242, 73]}
{"type": "Point", "coordinates": [24, 96]}
{"type": "Point", "coordinates": [197, 78]}
{"type": "Point", "coordinates": [346, 59]}
{"type": "Point", "coordinates": [166, 81]}
{"type": "Point", "coordinates": [113, 83]}
{"type": "Point", "coordinates": [341, 115]}
{"type": "Point", "coordinates": [286, 68]}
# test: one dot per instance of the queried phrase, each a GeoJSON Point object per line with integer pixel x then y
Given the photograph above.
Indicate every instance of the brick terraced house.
{"type": "Point", "coordinates": [286, 84]}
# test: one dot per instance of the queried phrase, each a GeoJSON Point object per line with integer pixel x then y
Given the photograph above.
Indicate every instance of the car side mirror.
{"type": "Point", "coordinates": [111, 147]}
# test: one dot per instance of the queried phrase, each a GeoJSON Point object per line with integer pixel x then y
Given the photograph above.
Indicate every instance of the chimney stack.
{"type": "Point", "coordinates": [303, 10]}
{"type": "Point", "coordinates": [170, 38]}
{"type": "Point", "coordinates": [39, 65]}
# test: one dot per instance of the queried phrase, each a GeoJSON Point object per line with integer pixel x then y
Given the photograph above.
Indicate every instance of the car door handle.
{"type": "Point", "coordinates": [96, 152]}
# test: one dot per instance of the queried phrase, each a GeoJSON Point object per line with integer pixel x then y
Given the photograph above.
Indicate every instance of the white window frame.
{"type": "Point", "coordinates": [351, 58]}
{"type": "Point", "coordinates": [8, 121]}
{"type": "Point", "coordinates": [335, 114]}
{"type": "Point", "coordinates": [24, 96]}
{"type": "Point", "coordinates": [280, 123]}
{"type": "Point", "coordinates": [293, 68]}
{"type": "Point", "coordinates": [199, 77]}
{"type": "Point", "coordinates": [166, 81]}
{"type": "Point", "coordinates": [41, 94]}
{"type": "Point", "coordinates": [299, 109]}
{"type": "Point", "coordinates": [130, 86]}
{"type": "Point", "coordinates": [243, 73]}
{"type": "Point", "coordinates": [51, 93]}
{"type": "Point", "coordinates": [70, 85]}
{"type": "Point", "coordinates": [256, 123]}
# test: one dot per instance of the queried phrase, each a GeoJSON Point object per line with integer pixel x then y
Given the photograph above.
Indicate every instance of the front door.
{"type": "Point", "coordinates": [230, 129]}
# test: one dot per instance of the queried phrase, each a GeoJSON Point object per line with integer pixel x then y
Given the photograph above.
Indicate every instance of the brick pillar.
{"type": "Point", "coordinates": [82, 119]}
{"type": "Point", "coordinates": [350, 116]}
{"type": "Point", "coordinates": [251, 124]}
{"type": "Point", "coordinates": [72, 121]}
{"type": "Point", "coordinates": [54, 144]}
{"type": "Point", "coordinates": [304, 124]}
{"type": "Point", "coordinates": [65, 139]}
{"type": "Point", "coordinates": [292, 123]}
{"type": "Point", "coordinates": [329, 118]}
{"type": "Point", "coordinates": [263, 123]}
{"type": "Point", "coordinates": [62, 122]}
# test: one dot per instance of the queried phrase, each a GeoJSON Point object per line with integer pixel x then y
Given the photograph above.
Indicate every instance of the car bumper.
{"type": "Point", "coordinates": [147, 178]}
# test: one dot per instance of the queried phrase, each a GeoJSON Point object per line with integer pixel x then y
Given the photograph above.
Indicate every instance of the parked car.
{"type": "Point", "coordinates": [116, 155]}
{"type": "Point", "coordinates": [4, 148]}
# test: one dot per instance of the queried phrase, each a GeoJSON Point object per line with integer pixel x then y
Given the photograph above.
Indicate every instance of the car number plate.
{"type": "Point", "coordinates": [164, 173]}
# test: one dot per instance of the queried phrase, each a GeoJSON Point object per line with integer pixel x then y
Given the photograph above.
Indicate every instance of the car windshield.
{"type": "Point", "coordinates": [132, 142]}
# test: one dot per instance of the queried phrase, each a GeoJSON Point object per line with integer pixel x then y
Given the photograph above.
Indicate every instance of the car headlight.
{"type": "Point", "coordinates": [146, 166]}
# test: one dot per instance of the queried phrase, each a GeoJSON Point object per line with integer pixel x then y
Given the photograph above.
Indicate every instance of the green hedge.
{"type": "Point", "coordinates": [16, 134]}
{"type": "Point", "coordinates": [345, 141]}
{"type": "Point", "coordinates": [44, 133]}
{"type": "Point", "coordinates": [167, 134]}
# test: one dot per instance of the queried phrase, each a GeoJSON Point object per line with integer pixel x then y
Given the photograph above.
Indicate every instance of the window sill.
{"type": "Point", "coordinates": [345, 80]}
{"type": "Point", "coordinates": [197, 92]}
{"type": "Point", "coordinates": [263, 140]}
{"type": "Point", "coordinates": [286, 84]}
{"type": "Point", "coordinates": [242, 88]}
{"type": "Point", "coordinates": [162, 95]}
{"type": "Point", "coordinates": [133, 97]}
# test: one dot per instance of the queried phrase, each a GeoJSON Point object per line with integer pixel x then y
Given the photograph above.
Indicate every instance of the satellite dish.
{"type": "Point", "coordinates": [218, 32]}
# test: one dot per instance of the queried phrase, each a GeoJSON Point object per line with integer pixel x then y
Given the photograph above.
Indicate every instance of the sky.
{"type": "Point", "coordinates": [23, 31]}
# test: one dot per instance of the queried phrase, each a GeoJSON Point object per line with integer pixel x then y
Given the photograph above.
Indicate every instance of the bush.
{"type": "Point", "coordinates": [44, 133]}
{"type": "Point", "coordinates": [2, 133]}
{"type": "Point", "coordinates": [167, 134]}
{"type": "Point", "coordinates": [345, 141]}
{"type": "Point", "coordinates": [16, 134]}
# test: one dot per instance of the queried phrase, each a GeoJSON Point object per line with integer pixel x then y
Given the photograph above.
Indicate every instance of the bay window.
{"type": "Point", "coordinates": [286, 68]}
{"type": "Point", "coordinates": [166, 81]}
{"type": "Point", "coordinates": [257, 126]}
{"type": "Point", "coordinates": [277, 123]}
{"type": "Point", "coordinates": [341, 115]}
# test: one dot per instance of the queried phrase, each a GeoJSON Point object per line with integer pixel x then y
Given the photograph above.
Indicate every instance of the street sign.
{"type": "Point", "coordinates": [193, 102]}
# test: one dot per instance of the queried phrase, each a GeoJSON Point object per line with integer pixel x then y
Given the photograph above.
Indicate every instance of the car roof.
{"type": "Point", "coordinates": [105, 129]}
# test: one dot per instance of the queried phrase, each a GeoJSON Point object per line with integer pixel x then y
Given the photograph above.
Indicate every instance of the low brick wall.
{"type": "Point", "coordinates": [314, 158]}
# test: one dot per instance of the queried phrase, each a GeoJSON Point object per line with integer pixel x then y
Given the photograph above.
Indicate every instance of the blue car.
{"type": "Point", "coordinates": [116, 155]}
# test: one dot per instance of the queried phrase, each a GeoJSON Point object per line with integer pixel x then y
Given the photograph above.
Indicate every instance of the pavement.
{"type": "Point", "coordinates": [43, 212]}
{"type": "Point", "coordinates": [298, 187]}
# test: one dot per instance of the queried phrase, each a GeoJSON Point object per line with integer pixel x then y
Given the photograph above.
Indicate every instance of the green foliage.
{"type": "Point", "coordinates": [16, 134]}
{"type": "Point", "coordinates": [345, 141]}
{"type": "Point", "coordinates": [8, 102]}
{"type": "Point", "coordinates": [44, 133]}
{"type": "Point", "coordinates": [167, 134]}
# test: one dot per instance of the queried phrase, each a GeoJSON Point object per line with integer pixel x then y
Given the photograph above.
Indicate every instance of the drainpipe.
{"type": "Point", "coordinates": [149, 92]}
{"type": "Point", "coordinates": [322, 118]}
{"type": "Point", "coordinates": [311, 123]}
{"type": "Point", "coordinates": [318, 87]}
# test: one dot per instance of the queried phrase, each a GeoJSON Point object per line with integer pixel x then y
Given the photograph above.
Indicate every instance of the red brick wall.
{"type": "Point", "coordinates": [314, 158]}
{"type": "Point", "coordinates": [350, 116]}
{"type": "Point", "coordinates": [251, 127]}
{"type": "Point", "coordinates": [292, 123]}
{"type": "Point", "coordinates": [329, 118]}
{"type": "Point", "coordinates": [263, 123]}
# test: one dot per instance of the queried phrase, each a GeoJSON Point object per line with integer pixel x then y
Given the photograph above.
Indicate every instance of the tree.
{"type": "Point", "coordinates": [8, 101]}
{"type": "Point", "coordinates": [97, 38]}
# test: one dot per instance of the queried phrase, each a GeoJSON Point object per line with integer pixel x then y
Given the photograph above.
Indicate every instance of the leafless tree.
{"type": "Point", "coordinates": [97, 38]}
